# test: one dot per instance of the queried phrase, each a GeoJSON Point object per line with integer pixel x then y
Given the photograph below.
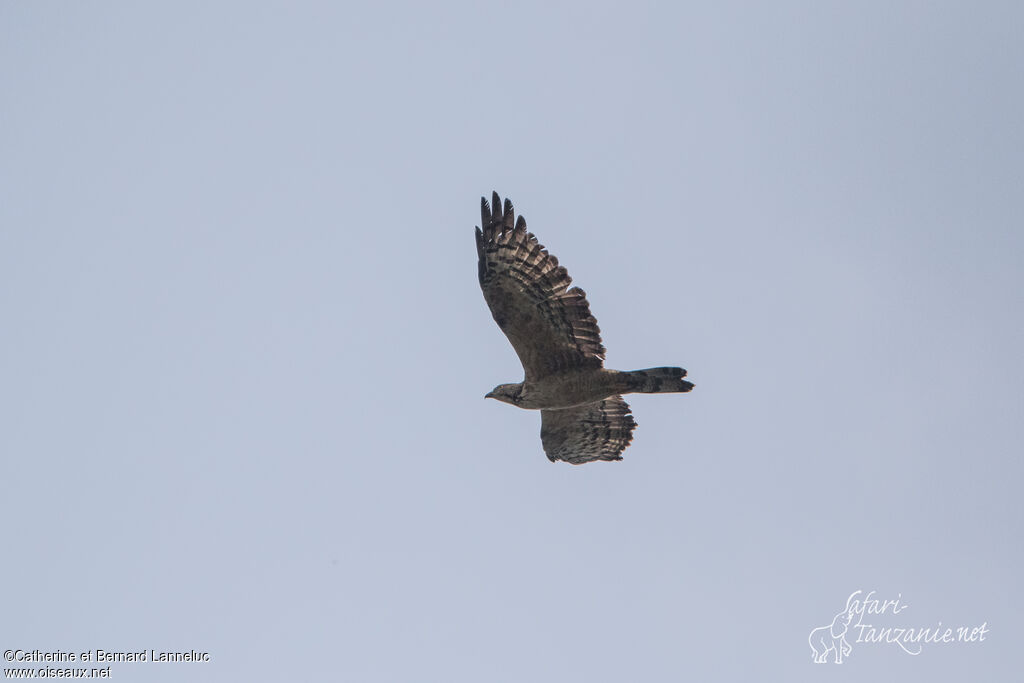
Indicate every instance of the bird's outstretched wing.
{"type": "Point", "coordinates": [549, 325]}
{"type": "Point", "coordinates": [594, 431]}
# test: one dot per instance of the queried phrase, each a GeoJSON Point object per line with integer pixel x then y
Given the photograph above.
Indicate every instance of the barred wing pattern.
{"type": "Point", "coordinates": [594, 431]}
{"type": "Point", "coordinates": [548, 324]}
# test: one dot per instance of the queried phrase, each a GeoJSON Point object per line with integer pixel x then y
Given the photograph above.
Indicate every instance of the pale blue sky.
{"type": "Point", "coordinates": [244, 350]}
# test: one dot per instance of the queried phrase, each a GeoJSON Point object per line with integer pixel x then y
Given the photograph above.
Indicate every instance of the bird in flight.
{"type": "Point", "coordinates": [583, 416]}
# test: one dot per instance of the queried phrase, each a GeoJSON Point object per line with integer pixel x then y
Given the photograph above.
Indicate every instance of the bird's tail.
{"type": "Point", "coordinates": [656, 381]}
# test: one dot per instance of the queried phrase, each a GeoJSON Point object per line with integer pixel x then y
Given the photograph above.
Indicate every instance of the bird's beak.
{"type": "Point", "coordinates": [489, 394]}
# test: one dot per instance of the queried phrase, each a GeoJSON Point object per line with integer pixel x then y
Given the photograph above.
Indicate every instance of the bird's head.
{"type": "Point", "coordinates": [507, 393]}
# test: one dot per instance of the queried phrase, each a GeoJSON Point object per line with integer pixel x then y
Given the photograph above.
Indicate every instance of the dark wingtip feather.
{"type": "Point", "coordinates": [509, 214]}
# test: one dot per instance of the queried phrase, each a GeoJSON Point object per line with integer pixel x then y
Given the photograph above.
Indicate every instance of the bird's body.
{"type": "Point", "coordinates": [564, 390]}
{"type": "Point", "coordinates": [583, 416]}
{"type": "Point", "coordinates": [571, 389]}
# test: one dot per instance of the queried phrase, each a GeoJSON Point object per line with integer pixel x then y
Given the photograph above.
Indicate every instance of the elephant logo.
{"type": "Point", "coordinates": [832, 638]}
